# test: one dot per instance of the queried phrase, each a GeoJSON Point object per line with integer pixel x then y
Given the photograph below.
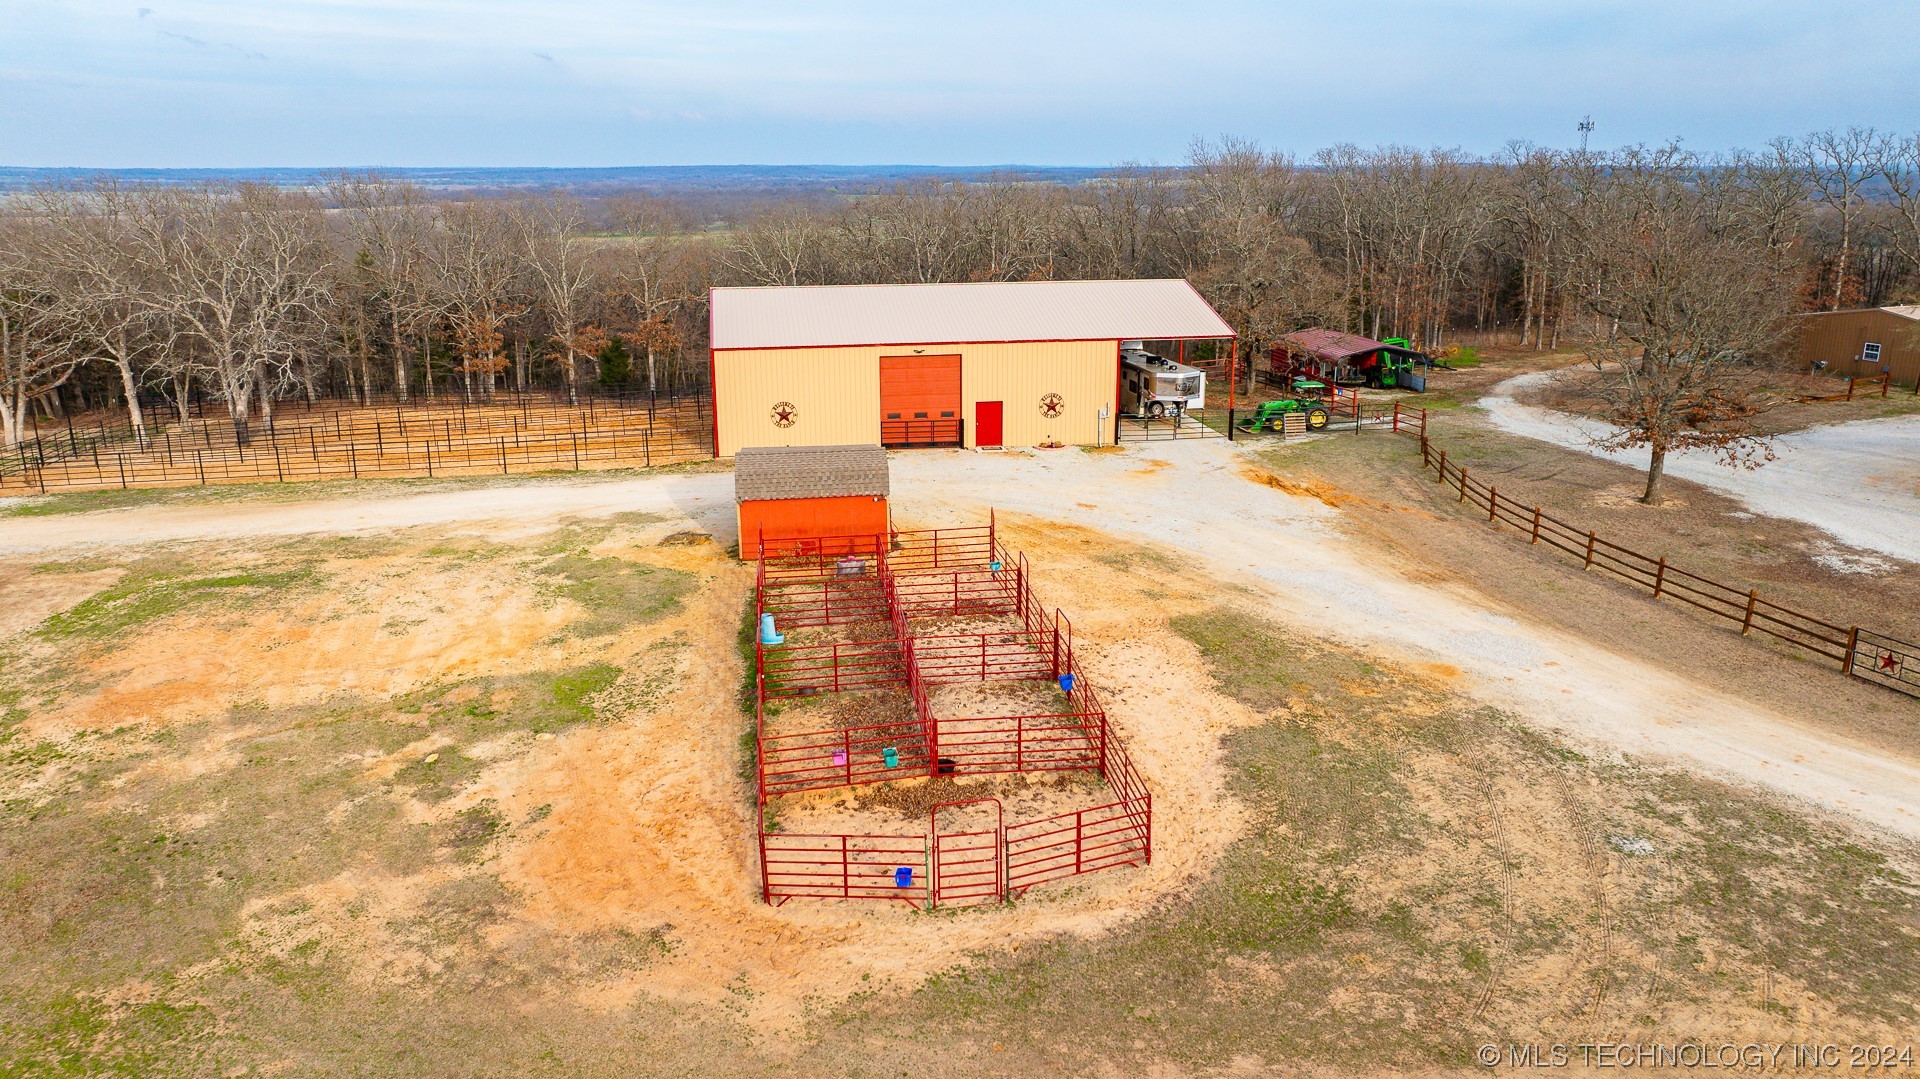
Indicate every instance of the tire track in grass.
{"type": "Point", "coordinates": [1503, 849]}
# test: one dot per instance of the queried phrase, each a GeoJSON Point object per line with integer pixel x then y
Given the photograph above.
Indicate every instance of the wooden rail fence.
{"type": "Point", "coordinates": [1860, 653]}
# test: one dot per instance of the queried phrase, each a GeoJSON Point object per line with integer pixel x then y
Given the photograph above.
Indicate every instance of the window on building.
{"type": "Point", "coordinates": [1870, 352]}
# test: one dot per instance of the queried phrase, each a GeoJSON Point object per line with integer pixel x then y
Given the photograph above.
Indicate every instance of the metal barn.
{"type": "Point", "coordinates": [1001, 363]}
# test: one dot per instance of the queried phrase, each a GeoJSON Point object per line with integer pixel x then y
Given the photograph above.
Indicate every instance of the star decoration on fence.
{"type": "Point", "coordinates": [784, 413]}
{"type": "Point", "coordinates": [1052, 405]}
{"type": "Point", "coordinates": [1890, 662]}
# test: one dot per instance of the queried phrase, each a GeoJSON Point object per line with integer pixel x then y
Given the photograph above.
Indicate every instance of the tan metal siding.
{"type": "Point", "coordinates": [835, 392]}
{"type": "Point", "coordinates": [1837, 337]}
{"type": "Point", "coordinates": [1080, 372]}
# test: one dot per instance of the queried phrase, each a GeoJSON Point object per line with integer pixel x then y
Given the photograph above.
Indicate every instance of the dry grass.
{"type": "Point", "coordinates": [298, 888]}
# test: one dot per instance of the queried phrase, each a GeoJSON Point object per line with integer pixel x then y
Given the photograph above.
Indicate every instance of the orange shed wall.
{"type": "Point", "coordinates": [809, 518]}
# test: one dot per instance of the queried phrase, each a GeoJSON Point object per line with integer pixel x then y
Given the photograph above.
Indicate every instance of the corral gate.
{"type": "Point", "coordinates": [968, 867]}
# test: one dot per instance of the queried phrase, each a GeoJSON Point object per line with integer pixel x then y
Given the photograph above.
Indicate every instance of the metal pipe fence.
{"type": "Point", "coordinates": [964, 572]}
{"type": "Point", "coordinates": [457, 441]}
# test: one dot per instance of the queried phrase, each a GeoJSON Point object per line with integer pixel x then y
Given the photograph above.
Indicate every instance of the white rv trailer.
{"type": "Point", "coordinates": [1157, 387]}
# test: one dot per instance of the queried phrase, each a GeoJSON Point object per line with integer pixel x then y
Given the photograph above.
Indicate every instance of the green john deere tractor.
{"type": "Point", "coordinates": [1394, 364]}
{"type": "Point", "coordinates": [1308, 397]}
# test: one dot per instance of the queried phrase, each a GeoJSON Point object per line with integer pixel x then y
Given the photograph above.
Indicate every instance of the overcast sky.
{"type": "Point", "coordinates": [634, 82]}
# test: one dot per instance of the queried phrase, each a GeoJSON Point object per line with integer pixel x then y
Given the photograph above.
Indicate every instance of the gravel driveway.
{"type": "Point", "coordinates": [1858, 481]}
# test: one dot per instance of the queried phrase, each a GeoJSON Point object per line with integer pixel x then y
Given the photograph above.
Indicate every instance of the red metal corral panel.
{"type": "Point", "coordinates": [788, 519]}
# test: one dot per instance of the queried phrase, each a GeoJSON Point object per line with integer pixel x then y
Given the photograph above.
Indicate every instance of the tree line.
{"type": "Point", "coordinates": [245, 294]}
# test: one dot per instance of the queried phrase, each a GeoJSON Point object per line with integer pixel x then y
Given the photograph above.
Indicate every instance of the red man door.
{"type": "Point", "coordinates": [986, 423]}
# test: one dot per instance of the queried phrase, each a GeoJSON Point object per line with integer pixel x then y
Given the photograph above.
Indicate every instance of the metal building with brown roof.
{"type": "Point", "coordinates": [793, 496]}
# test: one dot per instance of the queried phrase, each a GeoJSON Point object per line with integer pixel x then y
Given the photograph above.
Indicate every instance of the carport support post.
{"type": "Point", "coordinates": [1233, 382]}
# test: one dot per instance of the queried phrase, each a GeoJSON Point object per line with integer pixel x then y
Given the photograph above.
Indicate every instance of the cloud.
{"type": "Point", "coordinates": [202, 43]}
{"type": "Point", "coordinates": [144, 12]}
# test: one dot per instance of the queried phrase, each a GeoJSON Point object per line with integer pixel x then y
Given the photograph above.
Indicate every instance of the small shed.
{"type": "Point", "coordinates": [802, 495]}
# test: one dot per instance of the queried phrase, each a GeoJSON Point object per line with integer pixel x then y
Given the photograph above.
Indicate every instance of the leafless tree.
{"type": "Point", "coordinates": [1698, 298]}
{"type": "Point", "coordinates": [90, 248]}
{"type": "Point", "coordinates": [1838, 164]}
{"type": "Point", "coordinates": [241, 273]}
{"type": "Point", "coordinates": [656, 272]}
{"type": "Point", "coordinates": [34, 333]}
{"type": "Point", "coordinates": [564, 276]}
{"type": "Point", "coordinates": [390, 229]}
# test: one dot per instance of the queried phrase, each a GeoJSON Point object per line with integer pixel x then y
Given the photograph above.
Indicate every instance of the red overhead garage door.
{"type": "Point", "coordinates": [919, 400]}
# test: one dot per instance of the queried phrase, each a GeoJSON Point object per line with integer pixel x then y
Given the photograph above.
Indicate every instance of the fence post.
{"type": "Point", "coordinates": [1443, 468]}
{"type": "Point", "coordinates": [1589, 562]}
{"type": "Point", "coordinates": [1885, 381]}
{"type": "Point", "coordinates": [1079, 838]}
{"type": "Point", "coordinates": [1396, 417]}
{"type": "Point", "coordinates": [1463, 485]}
{"type": "Point", "coordinates": [503, 455]}
{"type": "Point", "coordinates": [1536, 525]}
{"type": "Point", "coordinates": [1753, 600]}
{"type": "Point", "coordinates": [279, 473]}
{"type": "Point", "coordinates": [200, 463]}
{"type": "Point", "coordinates": [123, 470]}
{"type": "Point", "coordinates": [1660, 578]}
{"type": "Point", "coordinates": [429, 446]}
{"type": "Point", "coordinates": [1850, 381]}
{"type": "Point", "coordinates": [1853, 642]}
{"type": "Point", "coordinates": [1493, 501]}
{"type": "Point", "coordinates": [353, 461]}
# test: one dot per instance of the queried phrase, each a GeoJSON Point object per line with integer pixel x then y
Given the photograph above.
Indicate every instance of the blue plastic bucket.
{"type": "Point", "coordinates": [1066, 683]}
{"type": "Point", "coordinates": [903, 877]}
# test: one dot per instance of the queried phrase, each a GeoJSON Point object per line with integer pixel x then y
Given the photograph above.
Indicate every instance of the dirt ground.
{"type": "Point", "coordinates": [456, 782]}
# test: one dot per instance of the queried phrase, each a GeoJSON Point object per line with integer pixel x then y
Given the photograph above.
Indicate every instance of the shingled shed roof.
{"type": "Point", "coordinates": [768, 472]}
{"type": "Point", "coordinates": [962, 313]}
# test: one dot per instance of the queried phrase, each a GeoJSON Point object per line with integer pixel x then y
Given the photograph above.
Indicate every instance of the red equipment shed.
{"type": "Point", "coordinates": [795, 498]}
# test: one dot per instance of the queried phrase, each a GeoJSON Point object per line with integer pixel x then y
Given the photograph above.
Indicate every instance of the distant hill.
{"type": "Point", "coordinates": [597, 181]}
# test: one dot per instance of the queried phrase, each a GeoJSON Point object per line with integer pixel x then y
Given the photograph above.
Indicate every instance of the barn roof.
{"type": "Point", "coordinates": [1905, 310]}
{"type": "Point", "coordinates": [974, 312]}
{"type": "Point", "coordinates": [1332, 344]}
{"type": "Point", "coordinates": [774, 472]}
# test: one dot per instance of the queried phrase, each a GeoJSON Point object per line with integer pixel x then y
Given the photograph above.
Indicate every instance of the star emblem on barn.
{"type": "Point", "coordinates": [784, 414]}
{"type": "Point", "coordinates": [1052, 405]}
